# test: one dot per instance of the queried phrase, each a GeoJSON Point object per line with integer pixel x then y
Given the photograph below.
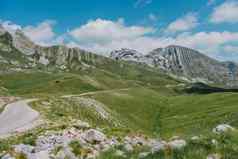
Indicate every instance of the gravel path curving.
{"type": "Point", "coordinates": [17, 117]}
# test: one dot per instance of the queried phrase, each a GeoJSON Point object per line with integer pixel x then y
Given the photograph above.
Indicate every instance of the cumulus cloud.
{"type": "Point", "coordinates": [185, 23]}
{"type": "Point", "coordinates": [226, 12]}
{"type": "Point", "coordinates": [10, 26]}
{"type": "Point", "coordinates": [42, 33]}
{"type": "Point", "coordinates": [102, 36]}
{"type": "Point", "coordinates": [207, 42]}
{"type": "Point", "coordinates": [104, 31]}
{"type": "Point", "coordinates": [231, 49]}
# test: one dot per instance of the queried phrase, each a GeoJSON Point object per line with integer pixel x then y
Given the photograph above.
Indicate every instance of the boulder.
{"type": "Point", "coordinates": [25, 149]}
{"type": "Point", "coordinates": [81, 124]}
{"type": "Point", "coordinates": [158, 146]}
{"type": "Point", "coordinates": [135, 140]}
{"type": "Point", "coordinates": [128, 147]}
{"type": "Point", "coordinates": [222, 128]}
{"type": "Point", "coordinates": [7, 156]}
{"type": "Point", "coordinates": [48, 142]}
{"type": "Point", "coordinates": [214, 156]}
{"type": "Point", "coordinates": [143, 155]}
{"type": "Point", "coordinates": [177, 144]}
{"type": "Point", "coordinates": [120, 153]}
{"type": "Point", "coordinates": [93, 136]}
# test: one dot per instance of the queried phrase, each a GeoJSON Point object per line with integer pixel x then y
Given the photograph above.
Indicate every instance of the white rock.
{"type": "Point", "coordinates": [177, 144]}
{"type": "Point", "coordinates": [195, 138]}
{"type": "Point", "coordinates": [41, 155]}
{"type": "Point", "coordinates": [48, 142]}
{"type": "Point", "coordinates": [214, 142]}
{"type": "Point", "coordinates": [120, 153]}
{"type": "Point", "coordinates": [136, 140]}
{"type": "Point", "coordinates": [128, 147]}
{"type": "Point", "coordinates": [60, 155]}
{"type": "Point", "coordinates": [214, 156]}
{"type": "Point", "coordinates": [143, 155]}
{"type": "Point", "coordinates": [158, 146]}
{"type": "Point", "coordinates": [81, 124]}
{"type": "Point", "coordinates": [44, 60]}
{"type": "Point", "coordinates": [7, 156]}
{"type": "Point", "coordinates": [25, 149]}
{"type": "Point", "coordinates": [222, 128]}
{"type": "Point", "coordinates": [93, 135]}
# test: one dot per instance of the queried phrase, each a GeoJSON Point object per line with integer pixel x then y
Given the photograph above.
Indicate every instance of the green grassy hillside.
{"type": "Point", "coordinates": [152, 107]}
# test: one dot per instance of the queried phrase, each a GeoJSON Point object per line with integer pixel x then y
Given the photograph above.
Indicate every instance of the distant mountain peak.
{"type": "Point", "coordinates": [126, 54]}
{"type": "Point", "coordinates": [185, 63]}
{"type": "Point", "coordinates": [2, 30]}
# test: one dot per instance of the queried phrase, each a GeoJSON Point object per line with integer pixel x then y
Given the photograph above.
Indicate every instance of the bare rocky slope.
{"type": "Point", "coordinates": [185, 63]}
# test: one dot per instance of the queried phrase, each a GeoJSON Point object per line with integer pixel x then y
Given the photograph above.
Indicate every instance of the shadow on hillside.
{"type": "Point", "coordinates": [201, 88]}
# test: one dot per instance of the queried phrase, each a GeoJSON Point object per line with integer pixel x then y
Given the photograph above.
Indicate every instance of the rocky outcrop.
{"type": "Point", "coordinates": [131, 55]}
{"type": "Point", "coordinates": [186, 64]}
{"type": "Point", "coordinates": [60, 57]}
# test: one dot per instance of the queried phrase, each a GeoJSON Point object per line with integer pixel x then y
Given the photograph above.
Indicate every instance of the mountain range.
{"type": "Point", "coordinates": [17, 50]}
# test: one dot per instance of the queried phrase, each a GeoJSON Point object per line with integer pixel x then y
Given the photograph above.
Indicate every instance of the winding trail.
{"type": "Point", "coordinates": [17, 117]}
{"type": "Point", "coordinates": [94, 92]}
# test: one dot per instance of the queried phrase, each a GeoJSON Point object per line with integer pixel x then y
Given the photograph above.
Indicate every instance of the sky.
{"type": "Point", "coordinates": [210, 26]}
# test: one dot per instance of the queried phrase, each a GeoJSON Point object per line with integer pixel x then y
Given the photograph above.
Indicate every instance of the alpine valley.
{"type": "Point", "coordinates": [67, 103]}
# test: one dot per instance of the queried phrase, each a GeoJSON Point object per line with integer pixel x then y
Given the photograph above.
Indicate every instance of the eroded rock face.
{"type": "Point", "coordinates": [185, 63]}
{"type": "Point", "coordinates": [59, 56]}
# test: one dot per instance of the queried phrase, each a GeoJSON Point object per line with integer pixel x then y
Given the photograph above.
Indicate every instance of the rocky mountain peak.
{"type": "Point", "coordinates": [2, 30]}
{"type": "Point", "coordinates": [23, 43]}
{"type": "Point", "coordinates": [126, 54]}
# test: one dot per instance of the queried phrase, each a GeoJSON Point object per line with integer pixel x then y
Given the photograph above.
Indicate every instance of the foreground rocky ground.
{"type": "Point", "coordinates": [83, 141]}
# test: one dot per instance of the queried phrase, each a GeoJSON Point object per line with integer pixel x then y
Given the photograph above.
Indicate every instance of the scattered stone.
{"type": "Point", "coordinates": [48, 142]}
{"type": "Point", "coordinates": [94, 136]}
{"type": "Point", "coordinates": [177, 144]}
{"type": "Point", "coordinates": [128, 147]}
{"type": "Point", "coordinates": [143, 155]}
{"type": "Point", "coordinates": [195, 138]}
{"type": "Point", "coordinates": [7, 156]}
{"type": "Point", "coordinates": [214, 142]}
{"type": "Point", "coordinates": [120, 153]}
{"type": "Point", "coordinates": [135, 140]}
{"type": "Point", "coordinates": [222, 129]}
{"type": "Point", "coordinates": [158, 146]}
{"type": "Point", "coordinates": [81, 125]}
{"type": "Point", "coordinates": [214, 156]}
{"type": "Point", "coordinates": [25, 149]}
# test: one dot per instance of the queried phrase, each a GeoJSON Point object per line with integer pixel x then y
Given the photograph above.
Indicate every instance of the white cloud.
{"type": "Point", "coordinates": [42, 33]}
{"type": "Point", "coordinates": [102, 36]}
{"type": "Point", "coordinates": [210, 43]}
{"type": "Point", "coordinates": [10, 26]}
{"type": "Point", "coordinates": [185, 23]}
{"type": "Point", "coordinates": [104, 31]}
{"type": "Point", "coordinates": [211, 2]}
{"type": "Point", "coordinates": [226, 12]}
{"type": "Point", "coordinates": [153, 17]}
{"type": "Point", "coordinates": [231, 49]}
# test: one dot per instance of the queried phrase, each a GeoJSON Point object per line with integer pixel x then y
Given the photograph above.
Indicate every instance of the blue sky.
{"type": "Point", "coordinates": [209, 26]}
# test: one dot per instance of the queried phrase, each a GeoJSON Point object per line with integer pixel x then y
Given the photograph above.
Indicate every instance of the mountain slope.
{"type": "Point", "coordinates": [187, 64]}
